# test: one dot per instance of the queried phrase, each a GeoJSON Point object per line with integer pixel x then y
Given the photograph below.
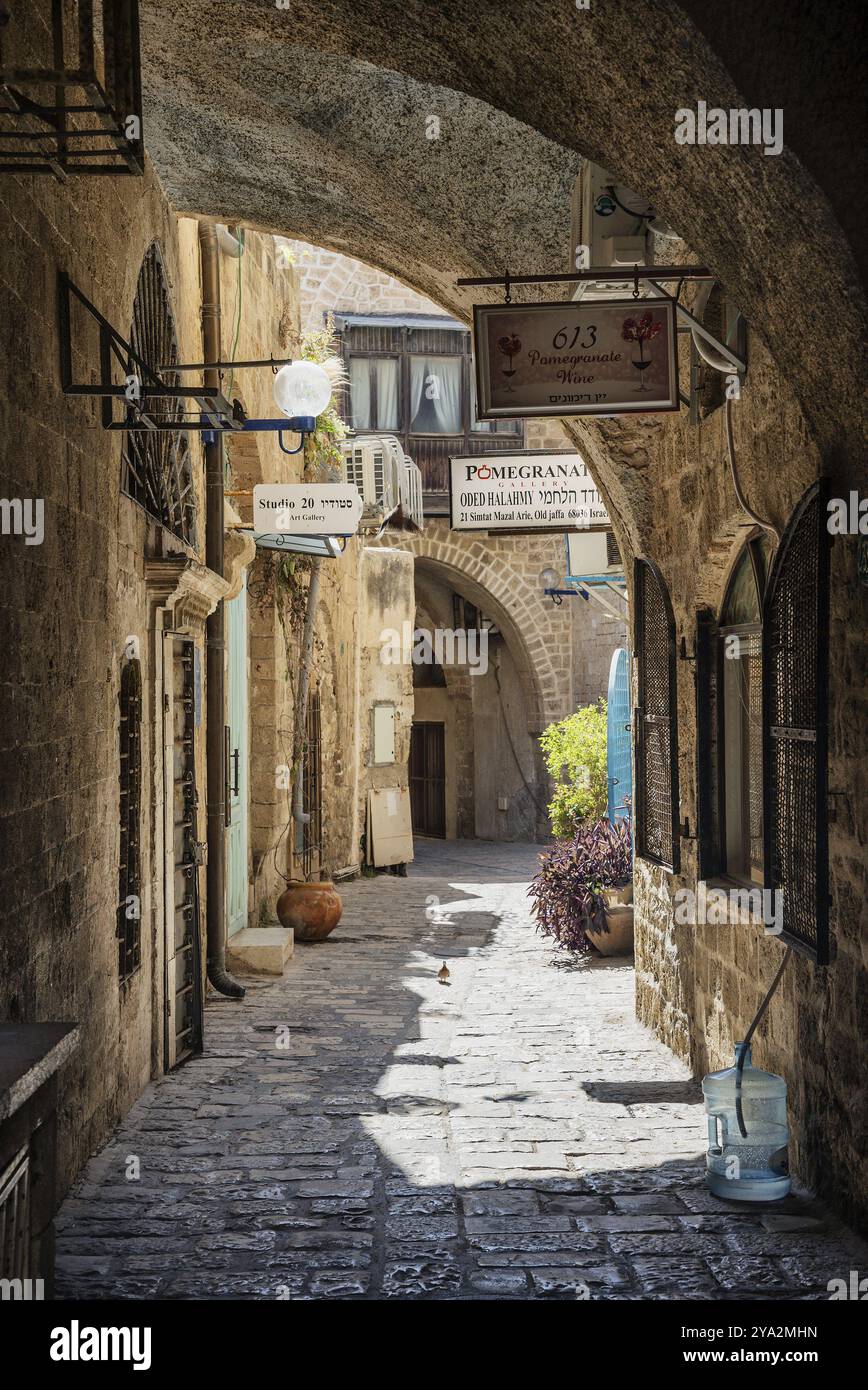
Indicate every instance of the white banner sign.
{"type": "Point", "coordinates": [306, 509]}
{"type": "Point", "coordinates": [524, 492]}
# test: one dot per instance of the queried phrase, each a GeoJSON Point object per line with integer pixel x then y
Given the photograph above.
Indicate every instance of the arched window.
{"type": "Point", "coordinates": [156, 463]}
{"type": "Point", "coordinates": [130, 776]}
{"type": "Point", "coordinates": [740, 638]}
{"type": "Point", "coordinates": [795, 733]}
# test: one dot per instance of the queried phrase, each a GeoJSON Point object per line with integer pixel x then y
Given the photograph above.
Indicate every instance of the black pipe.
{"type": "Point", "coordinates": [215, 642]}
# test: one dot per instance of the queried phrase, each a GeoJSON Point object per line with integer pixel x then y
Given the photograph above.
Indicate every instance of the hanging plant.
{"type": "Point", "coordinates": [322, 449]}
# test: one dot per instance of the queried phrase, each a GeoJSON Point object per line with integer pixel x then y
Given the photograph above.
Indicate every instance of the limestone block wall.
{"type": "Point", "coordinates": [329, 281]}
{"type": "Point", "coordinates": [66, 609]}
{"type": "Point", "coordinates": [700, 986]}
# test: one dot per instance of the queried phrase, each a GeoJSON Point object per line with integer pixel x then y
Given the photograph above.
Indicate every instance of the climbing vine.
{"type": "Point", "coordinates": [322, 448]}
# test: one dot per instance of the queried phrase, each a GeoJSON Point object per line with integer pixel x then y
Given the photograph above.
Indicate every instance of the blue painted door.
{"type": "Point", "coordinates": [618, 737]}
{"type": "Point", "coordinates": [237, 753]}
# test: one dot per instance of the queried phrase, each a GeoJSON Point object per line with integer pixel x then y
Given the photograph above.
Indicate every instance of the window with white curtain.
{"type": "Point", "coordinates": [374, 393]}
{"type": "Point", "coordinates": [435, 395]}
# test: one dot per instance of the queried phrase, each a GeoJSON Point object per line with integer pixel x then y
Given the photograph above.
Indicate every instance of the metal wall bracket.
{"type": "Point", "coordinates": [83, 118]}
{"type": "Point", "coordinates": [142, 389]}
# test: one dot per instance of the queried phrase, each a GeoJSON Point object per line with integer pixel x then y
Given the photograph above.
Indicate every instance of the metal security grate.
{"type": "Point", "coordinates": [129, 873]}
{"type": "Point", "coordinates": [157, 472]}
{"type": "Point", "coordinates": [657, 830]}
{"type": "Point", "coordinates": [70, 89]}
{"type": "Point", "coordinates": [795, 667]}
{"type": "Point", "coordinates": [15, 1232]}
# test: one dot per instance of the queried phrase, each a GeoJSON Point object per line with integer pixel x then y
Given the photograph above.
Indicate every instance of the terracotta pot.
{"type": "Point", "coordinates": [617, 897]}
{"type": "Point", "coordinates": [313, 910]}
{"type": "Point", "coordinates": [618, 940]}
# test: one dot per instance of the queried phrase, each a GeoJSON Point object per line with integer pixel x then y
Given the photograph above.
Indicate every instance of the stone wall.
{"type": "Point", "coordinates": [699, 987]}
{"type": "Point", "coordinates": [68, 606]}
{"type": "Point", "coordinates": [329, 282]}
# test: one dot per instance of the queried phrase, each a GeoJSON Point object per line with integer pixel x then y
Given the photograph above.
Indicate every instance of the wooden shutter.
{"type": "Point", "coordinates": [795, 778]}
{"type": "Point", "coordinates": [707, 740]}
{"type": "Point", "coordinates": [656, 725]}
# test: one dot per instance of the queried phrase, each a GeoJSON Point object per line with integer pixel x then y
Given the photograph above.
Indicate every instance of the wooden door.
{"type": "Point", "coordinates": [237, 762]}
{"type": "Point", "coordinates": [428, 779]}
{"type": "Point", "coordinates": [183, 849]}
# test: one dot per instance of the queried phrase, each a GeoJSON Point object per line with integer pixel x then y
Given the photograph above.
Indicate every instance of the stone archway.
{"type": "Point", "coordinates": [500, 576]}
{"type": "Point", "coordinates": [314, 123]}
{"type": "Point", "coordinates": [361, 172]}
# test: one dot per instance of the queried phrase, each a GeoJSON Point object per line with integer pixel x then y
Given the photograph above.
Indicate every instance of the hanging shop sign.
{"type": "Point", "coordinates": [605, 357]}
{"type": "Point", "coordinates": [524, 492]}
{"type": "Point", "coordinates": [306, 509]}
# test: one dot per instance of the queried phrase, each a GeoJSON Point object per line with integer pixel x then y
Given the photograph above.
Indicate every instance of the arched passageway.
{"type": "Point", "coordinates": [439, 142]}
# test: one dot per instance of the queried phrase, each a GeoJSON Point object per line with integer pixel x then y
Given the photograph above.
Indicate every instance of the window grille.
{"type": "Point", "coordinates": [71, 89]}
{"type": "Point", "coordinates": [795, 669]}
{"type": "Point", "coordinates": [707, 741]}
{"type": "Point", "coordinates": [15, 1234]}
{"type": "Point", "coordinates": [157, 472]}
{"type": "Point", "coordinates": [129, 874]}
{"type": "Point", "coordinates": [657, 804]}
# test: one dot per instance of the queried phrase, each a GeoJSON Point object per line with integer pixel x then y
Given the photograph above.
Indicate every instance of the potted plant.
{"type": "Point", "coordinates": [583, 889]}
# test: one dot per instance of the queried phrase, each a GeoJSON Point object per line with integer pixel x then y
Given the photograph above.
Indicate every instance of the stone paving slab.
{"type": "Point", "coordinates": [514, 1134]}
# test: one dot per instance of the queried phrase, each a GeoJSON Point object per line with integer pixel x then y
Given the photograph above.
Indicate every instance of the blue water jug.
{"type": "Point", "coordinates": [747, 1132]}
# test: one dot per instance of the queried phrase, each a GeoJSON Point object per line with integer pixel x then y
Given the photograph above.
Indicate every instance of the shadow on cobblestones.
{"type": "Point", "coordinates": [357, 1131]}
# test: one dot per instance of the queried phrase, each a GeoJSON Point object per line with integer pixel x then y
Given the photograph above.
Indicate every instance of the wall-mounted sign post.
{"type": "Point", "coordinates": [524, 492]}
{"type": "Point", "coordinates": [306, 509]}
{"type": "Point", "coordinates": [604, 357]}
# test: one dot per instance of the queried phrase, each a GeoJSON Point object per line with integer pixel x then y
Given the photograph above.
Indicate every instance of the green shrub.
{"type": "Point", "coordinates": [575, 755]}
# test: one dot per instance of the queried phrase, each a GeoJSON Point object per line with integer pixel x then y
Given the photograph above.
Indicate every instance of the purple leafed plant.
{"type": "Point", "coordinates": [568, 890]}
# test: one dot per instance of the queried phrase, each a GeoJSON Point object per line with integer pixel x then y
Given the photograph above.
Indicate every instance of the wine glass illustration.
{"type": "Point", "coordinates": [509, 346]}
{"type": "Point", "coordinates": [641, 331]}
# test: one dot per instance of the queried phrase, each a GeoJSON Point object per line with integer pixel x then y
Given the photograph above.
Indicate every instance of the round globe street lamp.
{"type": "Point", "coordinates": [302, 390]}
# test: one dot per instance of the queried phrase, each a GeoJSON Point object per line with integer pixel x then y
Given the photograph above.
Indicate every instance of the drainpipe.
{"type": "Point", "coordinates": [299, 815]}
{"type": "Point", "coordinates": [215, 640]}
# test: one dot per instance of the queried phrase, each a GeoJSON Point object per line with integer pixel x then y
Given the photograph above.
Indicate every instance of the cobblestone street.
{"type": "Point", "coordinates": [513, 1133]}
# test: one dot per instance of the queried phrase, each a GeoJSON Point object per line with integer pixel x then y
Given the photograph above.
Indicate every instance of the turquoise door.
{"type": "Point", "coordinates": [237, 753]}
{"type": "Point", "coordinates": [620, 771]}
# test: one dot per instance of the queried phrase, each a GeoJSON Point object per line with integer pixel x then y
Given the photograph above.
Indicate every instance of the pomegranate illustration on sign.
{"type": "Point", "coordinates": [509, 345]}
{"type": "Point", "coordinates": [641, 331]}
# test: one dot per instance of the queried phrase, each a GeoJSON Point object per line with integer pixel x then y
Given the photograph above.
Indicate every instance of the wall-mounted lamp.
{"type": "Point", "coordinates": [551, 582]}
{"type": "Point", "coordinates": [302, 390]}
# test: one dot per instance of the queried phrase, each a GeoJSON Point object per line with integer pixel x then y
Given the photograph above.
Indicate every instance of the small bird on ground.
{"type": "Point", "coordinates": [443, 974]}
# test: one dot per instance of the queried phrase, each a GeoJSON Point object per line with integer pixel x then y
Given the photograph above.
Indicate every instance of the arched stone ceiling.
{"type": "Point", "coordinates": [311, 121]}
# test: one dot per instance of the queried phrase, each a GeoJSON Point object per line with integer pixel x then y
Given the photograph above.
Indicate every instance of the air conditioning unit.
{"type": "Point", "coordinates": [413, 483]}
{"type": "Point", "coordinates": [610, 225]}
{"type": "Point", "coordinates": [374, 463]}
{"type": "Point", "coordinates": [389, 482]}
{"type": "Point", "coordinates": [592, 553]}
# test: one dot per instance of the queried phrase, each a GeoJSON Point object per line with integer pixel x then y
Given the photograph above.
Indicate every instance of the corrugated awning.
{"type": "Point", "coordinates": [399, 321]}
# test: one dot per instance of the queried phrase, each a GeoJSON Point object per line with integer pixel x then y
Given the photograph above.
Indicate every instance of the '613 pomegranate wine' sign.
{"type": "Point", "coordinates": [605, 357]}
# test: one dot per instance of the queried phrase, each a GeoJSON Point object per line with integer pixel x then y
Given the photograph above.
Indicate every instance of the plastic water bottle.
{"type": "Point", "coordinates": [749, 1166]}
